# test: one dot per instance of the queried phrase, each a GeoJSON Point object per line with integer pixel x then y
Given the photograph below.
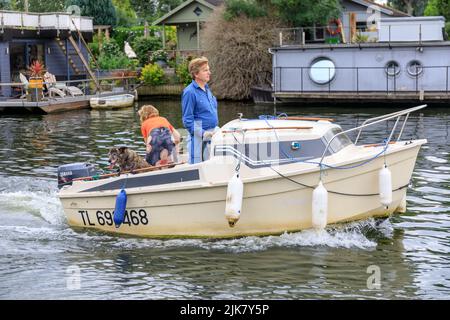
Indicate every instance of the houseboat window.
{"type": "Point", "coordinates": [322, 71]}
{"type": "Point", "coordinates": [22, 55]}
{"type": "Point", "coordinates": [392, 68]}
{"type": "Point", "coordinates": [339, 142]}
{"type": "Point", "coordinates": [414, 68]}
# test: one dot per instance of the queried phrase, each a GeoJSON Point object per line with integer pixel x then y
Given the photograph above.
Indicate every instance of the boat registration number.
{"type": "Point", "coordinates": [133, 217]}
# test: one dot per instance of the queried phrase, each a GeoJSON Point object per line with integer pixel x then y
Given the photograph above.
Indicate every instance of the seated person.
{"type": "Point", "coordinates": [158, 135]}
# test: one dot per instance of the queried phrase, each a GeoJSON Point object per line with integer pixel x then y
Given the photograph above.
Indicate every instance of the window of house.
{"type": "Point", "coordinates": [322, 70]}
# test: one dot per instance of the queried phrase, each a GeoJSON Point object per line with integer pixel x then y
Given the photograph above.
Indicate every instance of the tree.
{"type": "Point", "coordinates": [102, 11]}
{"type": "Point", "coordinates": [307, 13]}
{"type": "Point", "coordinates": [411, 7]}
{"type": "Point", "coordinates": [237, 51]}
{"type": "Point", "coordinates": [126, 16]}
{"type": "Point", "coordinates": [438, 8]}
{"type": "Point", "coordinates": [38, 5]}
{"type": "Point", "coordinates": [5, 5]}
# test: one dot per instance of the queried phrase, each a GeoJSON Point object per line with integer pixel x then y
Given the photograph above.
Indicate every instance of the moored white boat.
{"type": "Point", "coordinates": [276, 164]}
{"type": "Point", "coordinates": [112, 102]}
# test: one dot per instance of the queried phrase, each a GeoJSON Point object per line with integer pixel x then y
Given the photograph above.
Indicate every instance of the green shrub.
{"type": "Point", "coordinates": [110, 48]}
{"type": "Point", "coordinates": [158, 55]}
{"type": "Point", "coordinates": [152, 74]}
{"type": "Point", "coordinates": [182, 72]}
{"type": "Point", "coordinates": [122, 34]}
{"type": "Point", "coordinates": [115, 62]}
{"type": "Point", "coordinates": [143, 46]}
{"type": "Point", "coordinates": [447, 29]}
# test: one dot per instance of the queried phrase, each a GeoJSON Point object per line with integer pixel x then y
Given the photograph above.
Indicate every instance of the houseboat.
{"type": "Point", "coordinates": [371, 54]}
{"type": "Point", "coordinates": [59, 41]}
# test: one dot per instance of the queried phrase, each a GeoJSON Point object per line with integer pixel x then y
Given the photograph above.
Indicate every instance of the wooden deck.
{"type": "Point", "coordinates": [53, 105]}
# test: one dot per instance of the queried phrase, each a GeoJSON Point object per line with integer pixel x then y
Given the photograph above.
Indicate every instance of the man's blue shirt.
{"type": "Point", "coordinates": [199, 105]}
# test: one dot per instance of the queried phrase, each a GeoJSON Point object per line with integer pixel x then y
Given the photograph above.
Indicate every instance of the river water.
{"type": "Point", "coordinates": [41, 257]}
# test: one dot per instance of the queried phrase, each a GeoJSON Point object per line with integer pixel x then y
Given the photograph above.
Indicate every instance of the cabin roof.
{"type": "Point", "coordinates": [212, 4]}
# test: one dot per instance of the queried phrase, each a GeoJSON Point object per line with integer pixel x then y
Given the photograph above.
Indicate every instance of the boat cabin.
{"type": "Point", "coordinates": [261, 143]}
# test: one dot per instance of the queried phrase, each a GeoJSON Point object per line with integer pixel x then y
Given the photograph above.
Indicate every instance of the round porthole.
{"type": "Point", "coordinates": [322, 70]}
{"type": "Point", "coordinates": [392, 68]}
{"type": "Point", "coordinates": [414, 68]}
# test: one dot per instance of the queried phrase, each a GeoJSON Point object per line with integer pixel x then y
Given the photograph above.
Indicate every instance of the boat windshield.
{"type": "Point", "coordinates": [339, 142]}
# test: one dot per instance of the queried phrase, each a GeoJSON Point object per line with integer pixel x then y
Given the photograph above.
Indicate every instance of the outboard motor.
{"type": "Point", "coordinates": [68, 172]}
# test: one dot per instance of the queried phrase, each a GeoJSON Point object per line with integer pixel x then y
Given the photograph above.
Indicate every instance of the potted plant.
{"type": "Point", "coordinates": [36, 83]}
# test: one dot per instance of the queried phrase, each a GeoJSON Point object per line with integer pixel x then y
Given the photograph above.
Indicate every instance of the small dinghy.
{"type": "Point", "coordinates": [112, 102]}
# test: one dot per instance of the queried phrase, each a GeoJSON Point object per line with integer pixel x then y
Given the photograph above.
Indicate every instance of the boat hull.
{"type": "Point", "coordinates": [270, 205]}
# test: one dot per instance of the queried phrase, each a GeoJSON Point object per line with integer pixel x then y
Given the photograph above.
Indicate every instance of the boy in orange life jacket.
{"type": "Point", "coordinates": [157, 133]}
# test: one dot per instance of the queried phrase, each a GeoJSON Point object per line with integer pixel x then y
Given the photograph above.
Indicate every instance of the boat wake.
{"type": "Point", "coordinates": [39, 199]}
{"type": "Point", "coordinates": [21, 196]}
{"type": "Point", "coordinates": [359, 235]}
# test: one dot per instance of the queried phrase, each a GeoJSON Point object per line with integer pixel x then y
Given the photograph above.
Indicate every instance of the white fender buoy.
{"type": "Point", "coordinates": [319, 207]}
{"type": "Point", "coordinates": [233, 205]}
{"type": "Point", "coordinates": [385, 186]}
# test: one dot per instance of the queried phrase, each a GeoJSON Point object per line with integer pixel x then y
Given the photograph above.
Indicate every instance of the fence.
{"type": "Point", "coordinates": [107, 84]}
{"type": "Point", "coordinates": [386, 33]}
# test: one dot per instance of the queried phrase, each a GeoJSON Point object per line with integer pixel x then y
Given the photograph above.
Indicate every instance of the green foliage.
{"type": "Point", "coordinates": [36, 5]}
{"type": "Point", "coordinates": [126, 16]}
{"type": "Point", "coordinates": [152, 74]}
{"type": "Point", "coordinates": [361, 38]}
{"type": "Point", "coordinates": [114, 62]}
{"type": "Point", "coordinates": [94, 46]}
{"type": "Point", "coordinates": [447, 29]}
{"type": "Point", "coordinates": [438, 8]}
{"type": "Point", "coordinates": [412, 7]}
{"type": "Point", "coordinates": [158, 55]}
{"type": "Point", "coordinates": [111, 57]}
{"type": "Point", "coordinates": [143, 46]}
{"type": "Point", "coordinates": [152, 10]}
{"type": "Point", "coordinates": [102, 11]}
{"type": "Point", "coordinates": [182, 72]}
{"type": "Point", "coordinates": [307, 12]}
{"type": "Point", "coordinates": [5, 5]}
{"type": "Point", "coordinates": [249, 8]}
{"type": "Point", "coordinates": [111, 48]}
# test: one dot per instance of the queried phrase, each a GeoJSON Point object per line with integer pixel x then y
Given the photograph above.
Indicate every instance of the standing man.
{"type": "Point", "coordinates": [199, 108]}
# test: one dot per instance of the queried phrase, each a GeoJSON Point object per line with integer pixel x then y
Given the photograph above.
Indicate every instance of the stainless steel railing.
{"type": "Point", "coordinates": [376, 120]}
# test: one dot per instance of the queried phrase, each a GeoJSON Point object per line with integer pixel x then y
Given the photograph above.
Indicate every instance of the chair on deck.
{"type": "Point", "coordinates": [60, 88]}
{"type": "Point", "coordinates": [25, 83]}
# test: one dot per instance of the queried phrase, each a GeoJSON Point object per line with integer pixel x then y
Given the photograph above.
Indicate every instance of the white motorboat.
{"type": "Point", "coordinates": [264, 176]}
{"type": "Point", "coordinates": [112, 102]}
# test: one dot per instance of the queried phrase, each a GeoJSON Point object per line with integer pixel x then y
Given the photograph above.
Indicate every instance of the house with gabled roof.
{"type": "Point", "coordinates": [189, 18]}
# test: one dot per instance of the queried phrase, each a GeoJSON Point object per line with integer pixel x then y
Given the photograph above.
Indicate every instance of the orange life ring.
{"type": "Point", "coordinates": [334, 31]}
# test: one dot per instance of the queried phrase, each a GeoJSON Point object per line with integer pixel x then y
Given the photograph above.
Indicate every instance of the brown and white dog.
{"type": "Point", "coordinates": [126, 159]}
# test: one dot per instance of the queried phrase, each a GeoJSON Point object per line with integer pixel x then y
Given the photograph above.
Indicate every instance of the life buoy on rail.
{"type": "Point", "coordinates": [334, 27]}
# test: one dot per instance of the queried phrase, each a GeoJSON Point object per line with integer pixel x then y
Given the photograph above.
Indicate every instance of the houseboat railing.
{"type": "Point", "coordinates": [42, 21]}
{"type": "Point", "coordinates": [376, 120]}
{"type": "Point", "coordinates": [383, 32]}
{"type": "Point", "coordinates": [107, 84]}
{"type": "Point", "coordinates": [394, 83]}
